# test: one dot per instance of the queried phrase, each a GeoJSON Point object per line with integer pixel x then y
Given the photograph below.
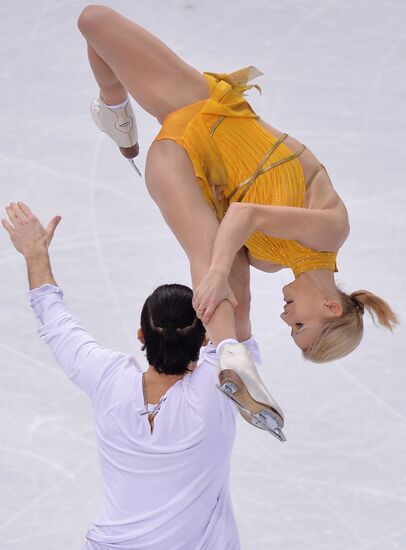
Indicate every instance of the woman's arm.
{"type": "Point", "coordinates": [317, 229]}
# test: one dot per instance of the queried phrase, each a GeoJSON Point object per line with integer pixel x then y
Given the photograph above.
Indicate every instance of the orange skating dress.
{"type": "Point", "coordinates": [236, 159]}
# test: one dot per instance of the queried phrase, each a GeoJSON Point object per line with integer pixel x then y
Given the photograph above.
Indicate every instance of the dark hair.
{"type": "Point", "coordinates": [173, 334]}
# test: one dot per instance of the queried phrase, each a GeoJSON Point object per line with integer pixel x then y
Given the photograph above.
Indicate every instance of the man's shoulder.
{"type": "Point", "coordinates": [208, 354]}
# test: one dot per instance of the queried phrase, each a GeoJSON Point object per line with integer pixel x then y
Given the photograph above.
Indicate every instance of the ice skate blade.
{"type": "Point", "coordinates": [265, 421]}
{"type": "Point", "coordinates": [262, 419]}
{"type": "Point", "coordinates": [234, 385]}
{"type": "Point", "coordinates": [131, 161]}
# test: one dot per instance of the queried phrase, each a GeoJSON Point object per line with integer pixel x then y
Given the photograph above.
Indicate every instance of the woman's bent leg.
{"type": "Point", "coordinates": [112, 91]}
{"type": "Point", "coordinates": [139, 63]}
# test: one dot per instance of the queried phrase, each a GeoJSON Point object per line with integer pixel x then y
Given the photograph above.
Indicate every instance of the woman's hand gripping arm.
{"type": "Point", "coordinates": [236, 227]}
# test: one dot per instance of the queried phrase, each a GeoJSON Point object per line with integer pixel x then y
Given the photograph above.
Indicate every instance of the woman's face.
{"type": "Point", "coordinates": [306, 311]}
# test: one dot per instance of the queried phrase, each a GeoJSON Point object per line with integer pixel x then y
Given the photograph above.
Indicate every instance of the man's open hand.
{"type": "Point", "coordinates": [26, 232]}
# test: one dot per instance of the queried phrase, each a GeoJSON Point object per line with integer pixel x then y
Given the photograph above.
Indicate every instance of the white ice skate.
{"type": "Point", "coordinates": [120, 125]}
{"type": "Point", "coordinates": [240, 381]}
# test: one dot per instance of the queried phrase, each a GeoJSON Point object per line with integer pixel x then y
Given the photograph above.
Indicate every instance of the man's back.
{"type": "Point", "coordinates": [167, 489]}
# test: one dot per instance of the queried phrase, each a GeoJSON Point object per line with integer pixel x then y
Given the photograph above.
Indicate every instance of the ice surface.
{"type": "Point", "coordinates": [335, 79]}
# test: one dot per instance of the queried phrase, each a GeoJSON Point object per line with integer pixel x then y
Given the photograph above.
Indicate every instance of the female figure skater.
{"type": "Point", "coordinates": [214, 164]}
{"type": "Point", "coordinates": [156, 430]}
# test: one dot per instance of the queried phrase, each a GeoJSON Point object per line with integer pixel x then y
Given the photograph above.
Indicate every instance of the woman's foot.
{"type": "Point", "coordinates": [240, 381]}
{"type": "Point", "coordinates": [118, 122]}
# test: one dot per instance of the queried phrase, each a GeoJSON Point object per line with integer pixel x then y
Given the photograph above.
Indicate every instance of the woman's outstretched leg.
{"type": "Point", "coordinates": [127, 58]}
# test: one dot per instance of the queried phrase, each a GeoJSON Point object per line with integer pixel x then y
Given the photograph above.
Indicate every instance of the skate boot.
{"type": "Point", "coordinates": [118, 123]}
{"type": "Point", "coordinates": [240, 381]}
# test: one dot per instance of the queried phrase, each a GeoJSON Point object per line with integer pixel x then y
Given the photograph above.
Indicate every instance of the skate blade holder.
{"type": "Point", "coordinates": [263, 420]}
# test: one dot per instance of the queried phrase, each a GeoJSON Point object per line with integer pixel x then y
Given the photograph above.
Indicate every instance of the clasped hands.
{"type": "Point", "coordinates": [212, 290]}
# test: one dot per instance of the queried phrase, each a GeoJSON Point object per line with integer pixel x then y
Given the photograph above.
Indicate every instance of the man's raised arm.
{"type": "Point", "coordinates": [32, 240]}
{"type": "Point", "coordinates": [85, 363]}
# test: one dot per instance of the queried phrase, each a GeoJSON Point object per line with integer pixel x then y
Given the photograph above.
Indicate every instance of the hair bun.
{"type": "Point", "coordinates": [173, 335]}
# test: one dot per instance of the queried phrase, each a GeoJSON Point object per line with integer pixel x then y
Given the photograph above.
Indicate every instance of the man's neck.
{"type": "Point", "coordinates": [157, 384]}
{"type": "Point", "coordinates": [161, 379]}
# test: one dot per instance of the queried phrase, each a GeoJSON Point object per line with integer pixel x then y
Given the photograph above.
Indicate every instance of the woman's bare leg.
{"type": "Point", "coordinates": [127, 58]}
{"type": "Point", "coordinates": [111, 90]}
{"type": "Point", "coordinates": [172, 184]}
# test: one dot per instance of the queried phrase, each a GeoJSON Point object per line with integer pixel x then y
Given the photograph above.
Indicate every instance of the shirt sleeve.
{"type": "Point", "coordinates": [205, 377]}
{"type": "Point", "coordinates": [84, 362]}
{"type": "Point", "coordinates": [209, 353]}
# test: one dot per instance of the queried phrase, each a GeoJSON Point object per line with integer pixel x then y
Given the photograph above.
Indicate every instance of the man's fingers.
{"type": "Point", "coordinates": [8, 227]}
{"type": "Point", "coordinates": [11, 214]}
{"type": "Point", "coordinates": [17, 211]}
{"type": "Point", "coordinates": [52, 226]}
{"type": "Point", "coordinates": [24, 208]}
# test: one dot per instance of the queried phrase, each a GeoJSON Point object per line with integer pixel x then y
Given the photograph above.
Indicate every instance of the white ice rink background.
{"type": "Point", "coordinates": [334, 79]}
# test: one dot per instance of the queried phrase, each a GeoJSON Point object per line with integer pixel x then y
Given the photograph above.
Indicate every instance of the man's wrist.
{"type": "Point", "coordinates": [39, 267]}
{"type": "Point", "coordinates": [36, 253]}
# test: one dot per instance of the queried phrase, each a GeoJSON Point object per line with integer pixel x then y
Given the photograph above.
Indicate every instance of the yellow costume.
{"type": "Point", "coordinates": [231, 156]}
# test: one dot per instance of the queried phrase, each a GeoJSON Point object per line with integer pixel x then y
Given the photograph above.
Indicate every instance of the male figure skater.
{"type": "Point", "coordinates": [164, 436]}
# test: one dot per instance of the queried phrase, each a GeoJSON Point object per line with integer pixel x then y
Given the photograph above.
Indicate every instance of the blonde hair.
{"type": "Point", "coordinates": [341, 335]}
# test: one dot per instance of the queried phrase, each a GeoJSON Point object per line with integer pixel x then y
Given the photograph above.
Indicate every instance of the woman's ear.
{"type": "Point", "coordinates": [334, 307]}
{"type": "Point", "coordinates": [140, 336]}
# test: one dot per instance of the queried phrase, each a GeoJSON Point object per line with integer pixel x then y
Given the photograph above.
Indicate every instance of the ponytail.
{"type": "Point", "coordinates": [341, 335]}
{"type": "Point", "coordinates": [378, 308]}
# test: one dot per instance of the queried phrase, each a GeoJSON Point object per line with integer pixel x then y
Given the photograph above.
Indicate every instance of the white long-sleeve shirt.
{"type": "Point", "coordinates": [165, 490]}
